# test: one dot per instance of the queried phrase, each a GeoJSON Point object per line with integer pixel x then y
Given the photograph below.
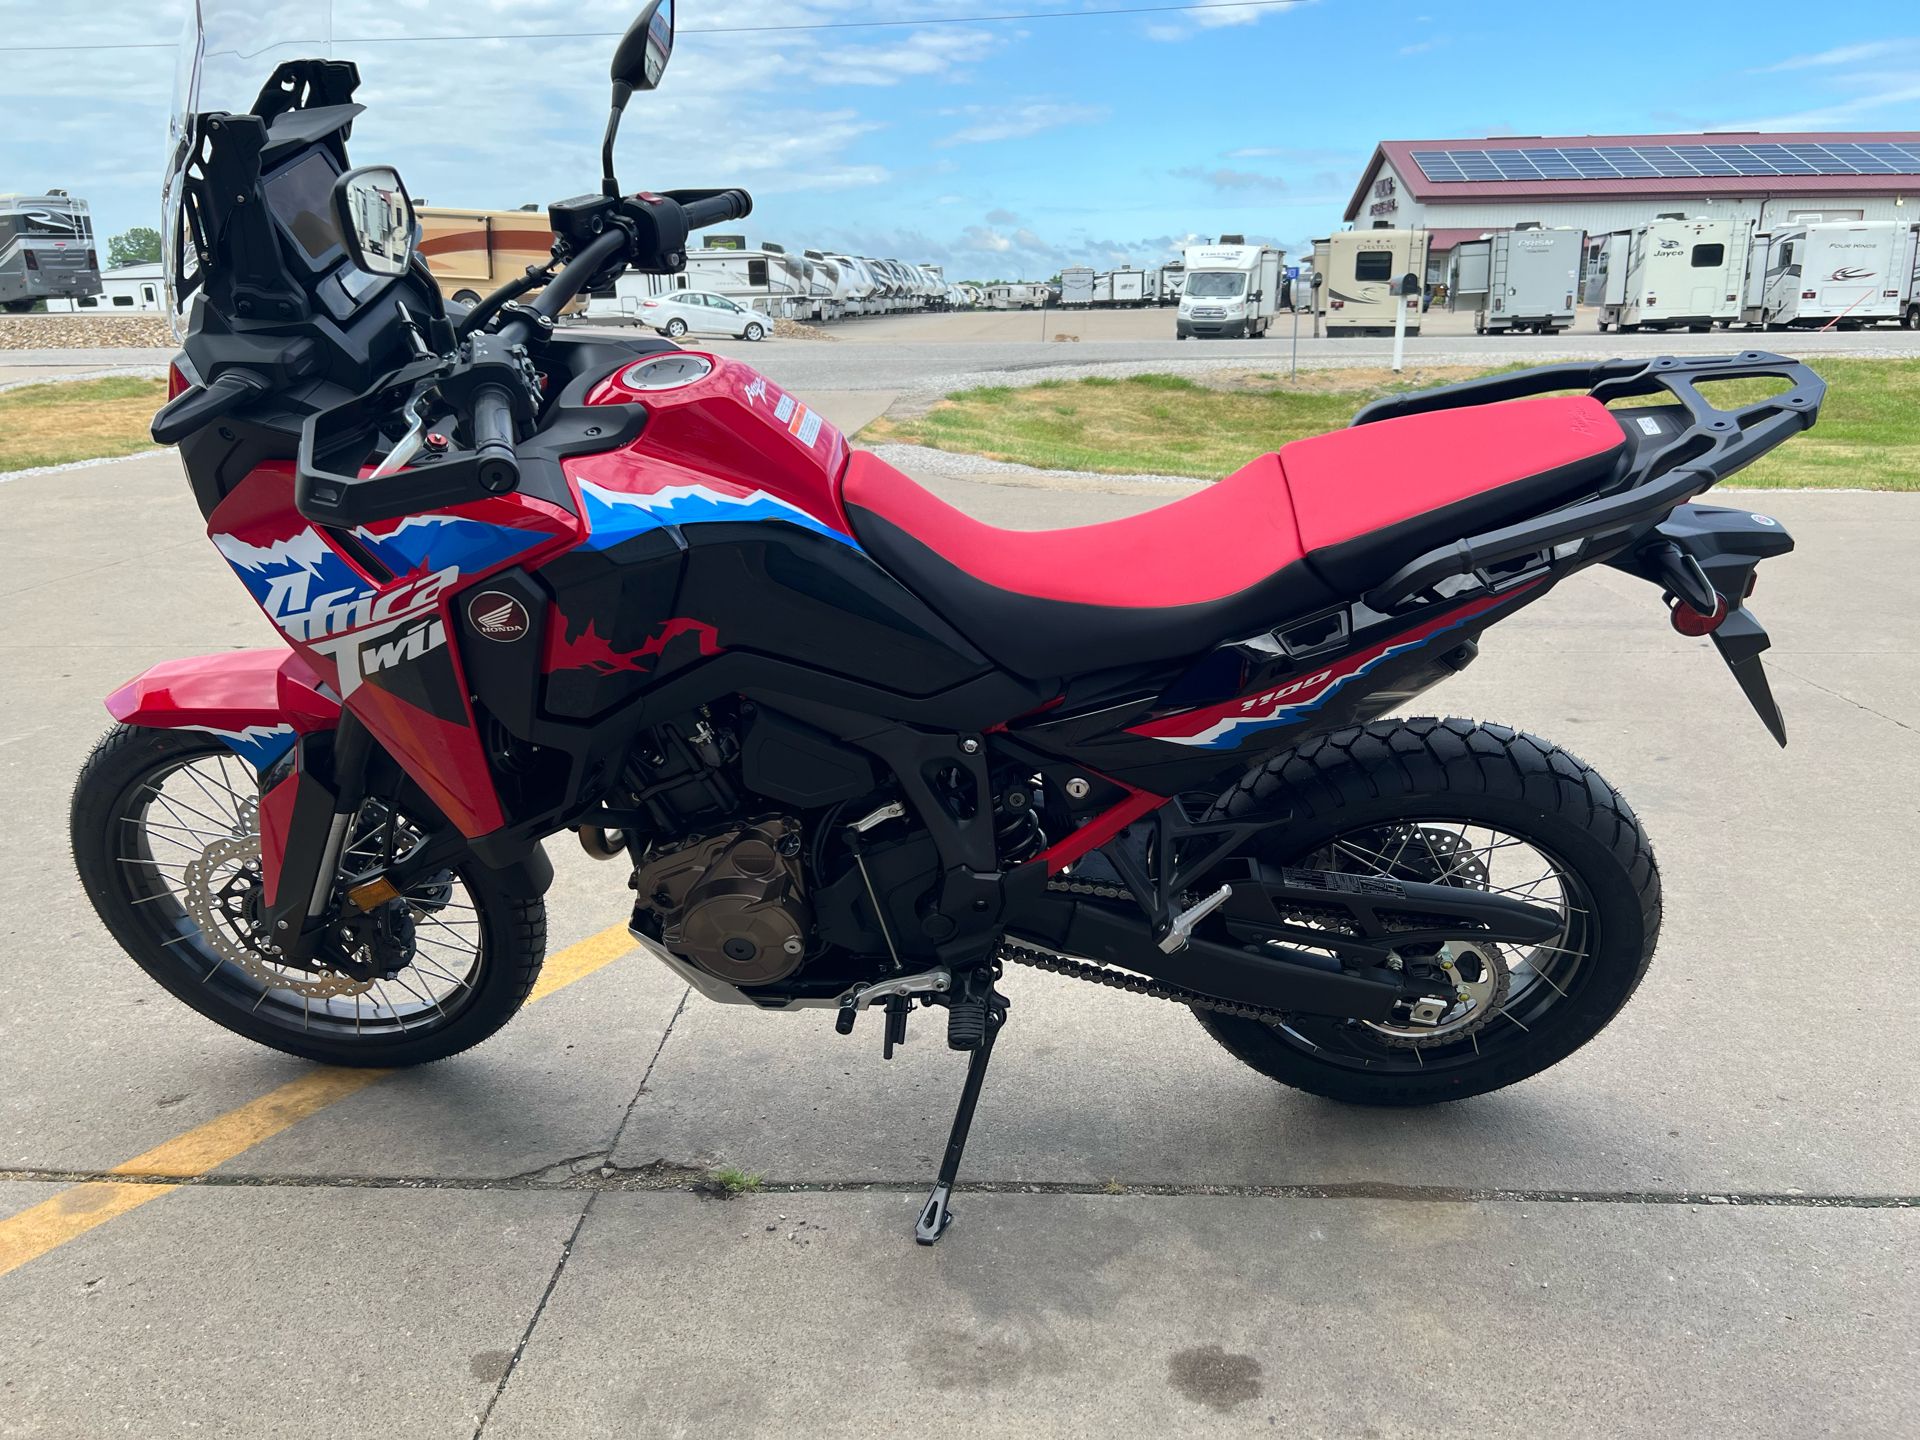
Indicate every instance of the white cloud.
{"type": "Point", "coordinates": [1016, 122]}
{"type": "Point", "coordinates": [1219, 16]}
{"type": "Point", "coordinates": [1840, 55]}
{"type": "Point", "coordinates": [1224, 178]}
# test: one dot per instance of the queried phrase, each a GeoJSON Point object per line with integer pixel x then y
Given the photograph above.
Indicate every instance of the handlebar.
{"type": "Point", "coordinates": [718, 208]}
{"type": "Point", "coordinates": [499, 466]}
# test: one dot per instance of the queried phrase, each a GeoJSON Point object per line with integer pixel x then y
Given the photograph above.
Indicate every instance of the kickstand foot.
{"type": "Point", "coordinates": [936, 1215]}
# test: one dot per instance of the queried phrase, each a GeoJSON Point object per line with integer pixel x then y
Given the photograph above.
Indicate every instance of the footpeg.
{"type": "Point", "coordinates": [1181, 930]}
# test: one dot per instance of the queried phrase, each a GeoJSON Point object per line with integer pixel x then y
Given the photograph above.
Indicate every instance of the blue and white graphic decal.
{"type": "Point", "coordinates": [617, 515]}
{"type": "Point", "coordinates": [303, 565]}
{"type": "Point", "coordinates": [1227, 725]}
{"type": "Point", "coordinates": [448, 542]}
{"type": "Point", "coordinates": [259, 745]}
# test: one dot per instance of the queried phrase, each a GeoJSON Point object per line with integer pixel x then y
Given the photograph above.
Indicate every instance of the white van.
{"type": "Point", "coordinates": [1231, 291]}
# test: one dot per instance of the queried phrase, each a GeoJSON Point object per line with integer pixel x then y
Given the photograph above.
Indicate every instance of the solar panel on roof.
{"type": "Point", "coordinates": [1671, 162]}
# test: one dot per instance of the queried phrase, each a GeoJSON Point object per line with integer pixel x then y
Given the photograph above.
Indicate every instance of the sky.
{"type": "Point", "coordinates": [1004, 149]}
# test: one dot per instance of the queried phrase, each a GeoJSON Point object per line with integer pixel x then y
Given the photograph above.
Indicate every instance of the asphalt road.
{"type": "Point", "coordinates": [1700, 1224]}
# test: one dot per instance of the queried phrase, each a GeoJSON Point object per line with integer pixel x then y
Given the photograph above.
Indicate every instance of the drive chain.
{"type": "Point", "coordinates": [1013, 952]}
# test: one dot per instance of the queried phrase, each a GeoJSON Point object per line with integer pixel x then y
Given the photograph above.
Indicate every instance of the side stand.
{"type": "Point", "coordinates": [935, 1216]}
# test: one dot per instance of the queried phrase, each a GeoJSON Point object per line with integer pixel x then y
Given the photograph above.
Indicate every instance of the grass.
{"type": "Point", "coordinates": [63, 421]}
{"type": "Point", "coordinates": [729, 1181]}
{"type": "Point", "coordinates": [1868, 436]}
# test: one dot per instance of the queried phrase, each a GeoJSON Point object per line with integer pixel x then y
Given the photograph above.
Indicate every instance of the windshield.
{"type": "Point", "coordinates": [1216, 284]}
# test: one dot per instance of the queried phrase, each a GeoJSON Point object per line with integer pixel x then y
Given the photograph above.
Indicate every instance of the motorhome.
{"type": "Point", "coordinates": [1533, 279]}
{"type": "Point", "coordinates": [124, 288]}
{"type": "Point", "coordinates": [1840, 273]}
{"type": "Point", "coordinates": [1231, 291]}
{"type": "Point", "coordinates": [1671, 273]}
{"type": "Point", "coordinates": [765, 278]}
{"type": "Point", "coordinates": [1365, 271]}
{"type": "Point", "coordinates": [471, 253]}
{"type": "Point", "coordinates": [46, 250]}
{"type": "Point", "coordinates": [1076, 287]}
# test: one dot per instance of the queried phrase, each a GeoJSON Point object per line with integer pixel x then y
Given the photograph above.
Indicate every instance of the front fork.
{"type": "Point", "coordinates": [307, 805]}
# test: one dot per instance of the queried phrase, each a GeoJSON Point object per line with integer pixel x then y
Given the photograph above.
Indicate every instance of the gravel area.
{"type": "Point", "coordinates": [84, 332]}
{"type": "Point", "coordinates": [786, 329]}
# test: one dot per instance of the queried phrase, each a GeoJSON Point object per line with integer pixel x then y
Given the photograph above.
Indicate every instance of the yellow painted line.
{"type": "Point", "coordinates": [74, 1211]}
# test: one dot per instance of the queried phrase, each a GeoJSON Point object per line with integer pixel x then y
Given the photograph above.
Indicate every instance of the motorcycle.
{"type": "Point", "coordinates": [855, 750]}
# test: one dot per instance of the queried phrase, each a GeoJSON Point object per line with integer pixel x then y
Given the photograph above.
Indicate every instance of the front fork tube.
{"type": "Point", "coordinates": [304, 820]}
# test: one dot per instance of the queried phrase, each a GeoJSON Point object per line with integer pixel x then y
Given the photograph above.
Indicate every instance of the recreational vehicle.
{"type": "Point", "coordinates": [1103, 288]}
{"type": "Point", "coordinates": [1172, 281]}
{"type": "Point", "coordinates": [1842, 273]}
{"type": "Point", "coordinates": [1533, 277]}
{"type": "Point", "coordinates": [621, 301]}
{"type": "Point", "coordinates": [123, 288]}
{"type": "Point", "coordinates": [471, 253]}
{"type": "Point", "coordinates": [46, 250]}
{"type": "Point", "coordinates": [1016, 295]}
{"type": "Point", "coordinates": [1467, 274]}
{"type": "Point", "coordinates": [863, 290]}
{"type": "Point", "coordinates": [1076, 287]}
{"type": "Point", "coordinates": [1365, 270]}
{"type": "Point", "coordinates": [1129, 287]}
{"type": "Point", "coordinates": [1231, 291]}
{"type": "Point", "coordinates": [1671, 273]}
{"type": "Point", "coordinates": [767, 279]}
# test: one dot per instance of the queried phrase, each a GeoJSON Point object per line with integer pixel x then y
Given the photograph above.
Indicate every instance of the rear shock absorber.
{"type": "Point", "coordinates": [1016, 823]}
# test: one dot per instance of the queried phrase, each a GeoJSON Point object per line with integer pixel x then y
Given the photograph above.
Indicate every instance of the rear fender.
{"type": "Point", "coordinates": [257, 701]}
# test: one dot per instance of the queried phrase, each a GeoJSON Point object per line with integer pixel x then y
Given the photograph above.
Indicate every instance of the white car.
{"type": "Point", "coordinates": [703, 313]}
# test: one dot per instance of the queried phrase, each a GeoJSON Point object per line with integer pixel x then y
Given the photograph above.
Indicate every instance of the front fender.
{"type": "Point", "coordinates": [258, 701]}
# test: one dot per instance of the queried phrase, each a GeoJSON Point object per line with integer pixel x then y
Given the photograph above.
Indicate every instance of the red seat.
{"type": "Point", "coordinates": [1291, 533]}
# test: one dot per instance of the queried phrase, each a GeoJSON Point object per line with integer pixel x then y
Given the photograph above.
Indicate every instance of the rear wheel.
{"type": "Point", "coordinates": [466, 297]}
{"type": "Point", "coordinates": [19, 307]}
{"type": "Point", "coordinates": [166, 839]}
{"type": "Point", "coordinates": [1480, 806]}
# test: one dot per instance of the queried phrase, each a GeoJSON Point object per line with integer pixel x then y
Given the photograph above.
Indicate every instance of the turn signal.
{"type": "Point", "coordinates": [177, 382]}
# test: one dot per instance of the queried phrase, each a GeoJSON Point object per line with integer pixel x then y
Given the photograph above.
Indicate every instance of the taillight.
{"type": "Point", "coordinates": [177, 382]}
{"type": "Point", "coordinates": [1807, 295]}
{"type": "Point", "coordinates": [1339, 304]}
{"type": "Point", "coordinates": [93, 261]}
{"type": "Point", "coordinates": [33, 260]}
{"type": "Point", "coordinates": [1653, 299]}
{"type": "Point", "coordinates": [1689, 621]}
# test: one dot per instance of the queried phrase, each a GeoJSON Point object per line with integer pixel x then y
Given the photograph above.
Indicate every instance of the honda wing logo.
{"type": "Point", "coordinates": [498, 616]}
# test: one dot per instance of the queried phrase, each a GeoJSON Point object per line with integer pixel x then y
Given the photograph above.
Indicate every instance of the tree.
{"type": "Point", "coordinates": [138, 245]}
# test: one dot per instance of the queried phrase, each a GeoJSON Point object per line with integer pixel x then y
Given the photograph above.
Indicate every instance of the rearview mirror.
{"type": "Point", "coordinates": [644, 50]}
{"type": "Point", "coordinates": [376, 219]}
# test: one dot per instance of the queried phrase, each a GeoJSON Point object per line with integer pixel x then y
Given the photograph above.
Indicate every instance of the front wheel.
{"type": "Point", "coordinates": [755, 331]}
{"type": "Point", "coordinates": [1479, 806]}
{"type": "Point", "coordinates": [166, 840]}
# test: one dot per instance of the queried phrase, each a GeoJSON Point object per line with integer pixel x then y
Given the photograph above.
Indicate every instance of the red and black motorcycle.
{"type": "Point", "coordinates": [859, 750]}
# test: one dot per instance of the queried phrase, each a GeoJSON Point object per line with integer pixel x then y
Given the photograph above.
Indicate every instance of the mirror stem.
{"type": "Point", "coordinates": [609, 186]}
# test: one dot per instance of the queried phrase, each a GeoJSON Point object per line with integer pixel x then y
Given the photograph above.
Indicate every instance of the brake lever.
{"type": "Point", "coordinates": [401, 455]}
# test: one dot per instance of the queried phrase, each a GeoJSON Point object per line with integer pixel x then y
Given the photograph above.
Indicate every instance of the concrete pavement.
{"type": "Point", "coordinates": [1699, 1224]}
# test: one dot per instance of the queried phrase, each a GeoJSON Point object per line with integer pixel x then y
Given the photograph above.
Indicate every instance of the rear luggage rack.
{"type": "Point", "coordinates": [1709, 445]}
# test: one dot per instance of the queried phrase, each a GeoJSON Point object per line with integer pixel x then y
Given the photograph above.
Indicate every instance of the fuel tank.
{"type": "Point", "coordinates": [719, 528]}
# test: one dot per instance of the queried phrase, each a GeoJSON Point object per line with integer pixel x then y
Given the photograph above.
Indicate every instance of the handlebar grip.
{"type": "Point", "coordinates": [718, 209]}
{"type": "Point", "coordinates": [493, 440]}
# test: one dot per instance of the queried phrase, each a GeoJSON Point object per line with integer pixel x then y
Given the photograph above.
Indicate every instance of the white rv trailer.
{"type": "Point", "coordinates": [1467, 270]}
{"type": "Point", "coordinates": [767, 279]}
{"type": "Point", "coordinates": [1103, 288]}
{"type": "Point", "coordinates": [1671, 273]}
{"type": "Point", "coordinates": [621, 300]}
{"type": "Point", "coordinates": [124, 288]}
{"type": "Point", "coordinates": [1171, 280]}
{"type": "Point", "coordinates": [1533, 278]}
{"type": "Point", "coordinates": [1231, 291]}
{"type": "Point", "coordinates": [1364, 270]}
{"type": "Point", "coordinates": [1016, 295]}
{"type": "Point", "coordinates": [1129, 287]}
{"type": "Point", "coordinates": [1076, 287]}
{"type": "Point", "coordinates": [1840, 273]}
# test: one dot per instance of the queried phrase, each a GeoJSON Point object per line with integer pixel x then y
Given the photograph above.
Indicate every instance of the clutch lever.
{"type": "Point", "coordinates": [401, 455]}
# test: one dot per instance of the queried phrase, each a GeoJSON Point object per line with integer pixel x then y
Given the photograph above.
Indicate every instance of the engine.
{"type": "Point", "coordinates": [731, 902]}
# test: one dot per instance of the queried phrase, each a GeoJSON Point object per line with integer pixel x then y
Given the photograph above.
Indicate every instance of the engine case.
{"type": "Point", "coordinates": [732, 903]}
